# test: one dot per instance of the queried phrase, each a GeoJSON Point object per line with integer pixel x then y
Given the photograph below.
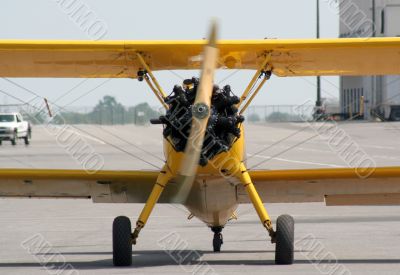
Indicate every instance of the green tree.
{"type": "Point", "coordinates": [108, 111]}
{"type": "Point", "coordinates": [141, 114]}
{"type": "Point", "coordinates": [253, 117]}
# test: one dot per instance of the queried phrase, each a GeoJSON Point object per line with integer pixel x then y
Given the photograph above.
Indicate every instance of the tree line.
{"type": "Point", "coordinates": [107, 112]}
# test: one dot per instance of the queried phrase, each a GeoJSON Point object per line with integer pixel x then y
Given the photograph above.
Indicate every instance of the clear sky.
{"type": "Point", "coordinates": [171, 19]}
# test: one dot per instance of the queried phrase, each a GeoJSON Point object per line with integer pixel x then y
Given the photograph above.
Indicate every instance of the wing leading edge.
{"type": "Point", "coordinates": [118, 59]}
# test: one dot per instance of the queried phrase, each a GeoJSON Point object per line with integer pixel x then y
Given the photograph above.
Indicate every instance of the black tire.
{"type": "Point", "coordinates": [28, 136]}
{"type": "Point", "coordinates": [217, 242]}
{"type": "Point", "coordinates": [122, 241]}
{"type": "Point", "coordinates": [1, 142]}
{"type": "Point", "coordinates": [395, 114]}
{"type": "Point", "coordinates": [26, 139]}
{"type": "Point", "coordinates": [284, 249]}
{"type": "Point", "coordinates": [14, 139]}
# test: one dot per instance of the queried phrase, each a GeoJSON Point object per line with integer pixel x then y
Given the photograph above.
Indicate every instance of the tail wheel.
{"type": "Point", "coordinates": [284, 251]}
{"type": "Point", "coordinates": [122, 241]}
{"type": "Point", "coordinates": [217, 242]}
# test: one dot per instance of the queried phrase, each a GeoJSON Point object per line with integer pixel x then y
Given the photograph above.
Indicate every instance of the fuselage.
{"type": "Point", "coordinates": [213, 198]}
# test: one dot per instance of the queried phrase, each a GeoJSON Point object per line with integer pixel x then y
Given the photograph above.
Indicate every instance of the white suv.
{"type": "Point", "coordinates": [13, 127]}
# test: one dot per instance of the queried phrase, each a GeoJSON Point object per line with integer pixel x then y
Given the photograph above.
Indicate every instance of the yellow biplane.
{"type": "Point", "coordinates": [205, 168]}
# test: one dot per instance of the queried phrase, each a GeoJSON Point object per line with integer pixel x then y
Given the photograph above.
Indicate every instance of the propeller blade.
{"type": "Point", "coordinates": [200, 114]}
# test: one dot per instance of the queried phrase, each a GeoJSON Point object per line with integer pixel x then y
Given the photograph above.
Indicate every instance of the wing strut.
{"type": "Point", "coordinates": [266, 75]}
{"type": "Point", "coordinates": [146, 74]}
{"type": "Point", "coordinates": [264, 70]}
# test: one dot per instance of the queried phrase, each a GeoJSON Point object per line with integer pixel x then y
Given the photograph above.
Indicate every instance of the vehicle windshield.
{"type": "Point", "coordinates": [7, 118]}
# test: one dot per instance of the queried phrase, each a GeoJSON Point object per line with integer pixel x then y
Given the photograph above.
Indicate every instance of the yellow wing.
{"type": "Point", "coordinates": [101, 186]}
{"type": "Point", "coordinates": [335, 186]}
{"type": "Point", "coordinates": [118, 59]}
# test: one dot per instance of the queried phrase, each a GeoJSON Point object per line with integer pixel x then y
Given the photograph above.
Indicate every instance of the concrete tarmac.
{"type": "Point", "coordinates": [74, 236]}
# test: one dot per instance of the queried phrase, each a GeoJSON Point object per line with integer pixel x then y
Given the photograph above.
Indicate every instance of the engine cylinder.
{"type": "Point", "coordinates": [223, 124]}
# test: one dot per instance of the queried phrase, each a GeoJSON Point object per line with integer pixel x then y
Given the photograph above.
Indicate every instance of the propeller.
{"type": "Point", "coordinates": [200, 114]}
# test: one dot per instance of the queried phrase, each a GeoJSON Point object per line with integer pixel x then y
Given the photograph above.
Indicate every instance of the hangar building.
{"type": "Point", "coordinates": [373, 96]}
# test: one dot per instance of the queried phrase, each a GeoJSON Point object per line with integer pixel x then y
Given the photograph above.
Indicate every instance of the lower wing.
{"type": "Point", "coordinates": [100, 186]}
{"type": "Point", "coordinates": [344, 186]}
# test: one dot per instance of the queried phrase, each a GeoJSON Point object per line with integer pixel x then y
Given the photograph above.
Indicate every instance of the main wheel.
{"type": "Point", "coordinates": [217, 242]}
{"type": "Point", "coordinates": [122, 245]}
{"type": "Point", "coordinates": [284, 249]}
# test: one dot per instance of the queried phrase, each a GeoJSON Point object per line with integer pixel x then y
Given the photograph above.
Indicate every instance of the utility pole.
{"type": "Point", "coordinates": [372, 99]}
{"type": "Point", "coordinates": [373, 18]}
{"type": "Point", "coordinates": [318, 103]}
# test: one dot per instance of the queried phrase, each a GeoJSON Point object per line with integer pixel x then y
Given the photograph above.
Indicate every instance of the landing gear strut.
{"type": "Point", "coordinates": [123, 238]}
{"type": "Point", "coordinates": [218, 240]}
{"type": "Point", "coordinates": [283, 237]}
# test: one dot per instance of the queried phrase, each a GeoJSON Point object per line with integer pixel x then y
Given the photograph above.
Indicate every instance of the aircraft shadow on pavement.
{"type": "Point", "coordinates": [169, 258]}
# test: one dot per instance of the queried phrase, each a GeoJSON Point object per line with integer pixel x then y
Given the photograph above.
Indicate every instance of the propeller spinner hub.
{"type": "Point", "coordinates": [200, 110]}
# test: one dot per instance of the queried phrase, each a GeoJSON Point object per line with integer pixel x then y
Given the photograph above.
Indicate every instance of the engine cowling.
{"type": "Point", "coordinates": [223, 125]}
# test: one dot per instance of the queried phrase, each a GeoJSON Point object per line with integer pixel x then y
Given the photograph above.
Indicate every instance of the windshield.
{"type": "Point", "coordinates": [7, 118]}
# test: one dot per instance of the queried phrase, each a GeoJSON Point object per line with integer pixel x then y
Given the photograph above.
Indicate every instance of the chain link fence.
{"type": "Point", "coordinates": [279, 113]}
{"type": "Point", "coordinates": [101, 115]}
{"type": "Point", "coordinates": [142, 113]}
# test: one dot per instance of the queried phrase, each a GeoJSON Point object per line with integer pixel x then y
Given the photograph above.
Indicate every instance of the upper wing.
{"type": "Point", "coordinates": [118, 59]}
{"type": "Point", "coordinates": [101, 186]}
{"type": "Point", "coordinates": [336, 186]}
